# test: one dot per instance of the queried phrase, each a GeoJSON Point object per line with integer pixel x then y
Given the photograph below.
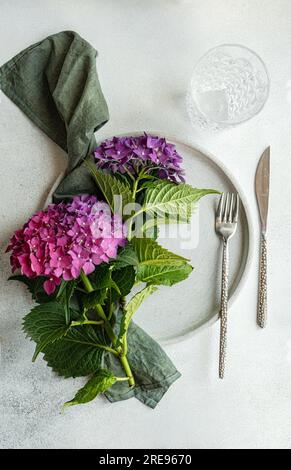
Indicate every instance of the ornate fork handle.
{"type": "Point", "coordinates": [223, 310]}
{"type": "Point", "coordinates": [262, 300]}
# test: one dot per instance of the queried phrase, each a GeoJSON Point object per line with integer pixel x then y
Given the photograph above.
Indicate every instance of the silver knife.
{"type": "Point", "coordinates": [262, 183]}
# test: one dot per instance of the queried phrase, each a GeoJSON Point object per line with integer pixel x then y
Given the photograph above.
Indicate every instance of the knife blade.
{"type": "Point", "coordinates": [262, 186]}
{"type": "Point", "coordinates": [262, 183]}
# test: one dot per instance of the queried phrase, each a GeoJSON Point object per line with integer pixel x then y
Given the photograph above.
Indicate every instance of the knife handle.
{"type": "Point", "coordinates": [262, 300]}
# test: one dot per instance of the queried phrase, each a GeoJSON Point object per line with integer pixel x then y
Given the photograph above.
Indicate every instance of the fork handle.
{"type": "Point", "coordinates": [223, 310]}
{"type": "Point", "coordinates": [262, 299]}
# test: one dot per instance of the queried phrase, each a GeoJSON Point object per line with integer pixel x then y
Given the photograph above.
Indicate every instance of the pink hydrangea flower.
{"type": "Point", "coordinates": [66, 238]}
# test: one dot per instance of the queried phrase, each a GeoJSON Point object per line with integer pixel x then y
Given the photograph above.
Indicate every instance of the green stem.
{"type": "Point", "coordinates": [81, 290]}
{"type": "Point", "coordinates": [134, 191]}
{"type": "Point", "coordinates": [110, 306]}
{"type": "Point", "coordinates": [87, 284]}
{"type": "Point", "coordinates": [130, 175]}
{"type": "Point", "coordinates": [124, 341]}
{"type": "Point", "coordinates": [127, 370]}
{"type": "Point", "coordinates": [124, 344]}
{"type": "Point", "coordinates": [130, 221]}
{"type": "Point", "coordinates": [89, 288]}
{"type": "Point", "coordinates": [87, 322]}
{"type": "Point", "coordinates": [107, 325]}
{"type": "Point", "coordinates": [134, 188]}
{"type": "Point", "coordinates": [115, 350]}
{"type": "Point", "coordinates": [136, 214]}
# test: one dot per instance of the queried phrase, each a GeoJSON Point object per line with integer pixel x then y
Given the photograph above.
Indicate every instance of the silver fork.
{"type": "Point", "coordinates": [225, 226]}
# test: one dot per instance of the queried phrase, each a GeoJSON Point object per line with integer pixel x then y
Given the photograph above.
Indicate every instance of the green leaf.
{"type": "Point", "coordinates": [110, 187]}
{"type": "Point", "coordinates": [124, 279]}
{"type": "Point", "coordinates": [77, 354]}
{"type": "Point", "coordinates": [130, 309]}
{"type": "Point", "coordinates": [126, 257]}
{"type": "Point", "coordinates": [65, 293]}
{"type": "Point", "coordinates": [164, 275]}
{"type": "Point", "coordinates": [149, 252]}
{"type": "Point", "coordinates": [91, 299]}
{"type": "Point", "coordinates": [101, 278]}
{"type": "Point", "coordinates": [45, 324]}
{"type": "Point", "coordinates": [62, 288]}
{"type": "Point", "coordinates": [150, 183]}
{"type": "Point", "coordinates": [172, 201]}
{"type": "Point", "coordinates": [157, 265]}
{"type": "Point", "coordinates": [102, 381]}
{"type": "Point", "coordinates": [35, 287]}
{"type": "Point", "coordinates": [150, 228]}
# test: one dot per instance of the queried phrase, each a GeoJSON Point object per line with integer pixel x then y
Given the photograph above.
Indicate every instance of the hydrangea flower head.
{"type": "Point", "coordinates": [66, 238]}
{"type": "Point", "coordinates": [130, 154]}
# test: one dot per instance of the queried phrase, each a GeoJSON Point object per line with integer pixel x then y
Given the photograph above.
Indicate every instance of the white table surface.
{"type": "Point", "coordinates": [147, 50]}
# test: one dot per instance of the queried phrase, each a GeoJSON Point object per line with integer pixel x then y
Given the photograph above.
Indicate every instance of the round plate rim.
{"type": "Point", "coordinates": [214, 160]}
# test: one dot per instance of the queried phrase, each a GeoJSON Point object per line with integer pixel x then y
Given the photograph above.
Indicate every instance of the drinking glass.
{"type": "Point", "coordinates": [229, 85]}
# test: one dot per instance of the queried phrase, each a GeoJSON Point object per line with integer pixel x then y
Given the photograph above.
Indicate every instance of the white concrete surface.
{"type": "Point", "coordinates": [147, 49]}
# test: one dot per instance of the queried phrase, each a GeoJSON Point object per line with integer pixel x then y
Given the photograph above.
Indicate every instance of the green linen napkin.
{"type": "Point", "coordinates": [152, 369]}
{"type": "Point", "coordinates": [55, 83]}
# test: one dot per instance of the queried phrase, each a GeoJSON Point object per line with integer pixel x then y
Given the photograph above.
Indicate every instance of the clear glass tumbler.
{"type": "Point", "coordinates": [229, 85]}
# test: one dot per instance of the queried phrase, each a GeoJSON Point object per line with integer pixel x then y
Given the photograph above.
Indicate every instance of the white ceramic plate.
{"type": "Point", "coordinates": [177, 312]}
{"type": "Point", "coordinates": [174, 313]}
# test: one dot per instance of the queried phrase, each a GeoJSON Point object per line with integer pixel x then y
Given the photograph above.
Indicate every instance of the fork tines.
{"type": "Point", "coordinates": [227, 210]}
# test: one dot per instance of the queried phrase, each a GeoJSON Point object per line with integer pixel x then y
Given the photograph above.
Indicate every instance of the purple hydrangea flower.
{"type": "Point", "coordinates": [66, 238]}
{"type": "Point", "coordinates": [130, 154]}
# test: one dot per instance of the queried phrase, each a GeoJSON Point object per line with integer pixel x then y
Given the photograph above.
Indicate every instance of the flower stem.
{"type": "Point", "coordinates": [134, 188]}
{"type": "Point", "coordinates": [107, 325]}
{"type": "Point", "coordinates": [89, 288]}
{"type": "Point", "coordinates": [81, 290]}
{"type": "Point", "coordinates": [127, 370]}
{"type": "Point", "coordinates": [87, 284]}
{"type": "Point", "coordinates": [121, 379]}
{"type": "Point", "coordinates": [125, 345]}
{"type": "Point", "coordinates": [134, 191]}
{"type": "Point", "coordinates": [116, 350]}
{"type": "Point", "coordinates": [110, 305]}
{"type": "Point", "coordinates": [87, 322]}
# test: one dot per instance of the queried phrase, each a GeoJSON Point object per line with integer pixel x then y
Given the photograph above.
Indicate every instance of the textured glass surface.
{"type": "Point", "coordinates": [229, 85]}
